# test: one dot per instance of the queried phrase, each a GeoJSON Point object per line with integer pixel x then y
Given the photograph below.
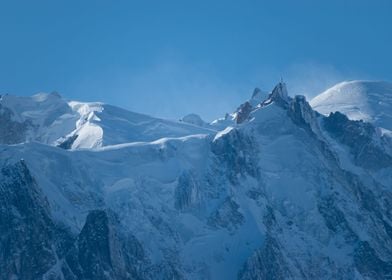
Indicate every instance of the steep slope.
{"type": "Point", "coordinates": [242, 112]}
{"type": "Point", "coordinates": [360, 100]}
{"type": "Point", "coordinates": [103, 125]}
{"type": "Point", "coordinates": [284, 194]}
{"type": "Point", "coordinates": [41, 117]}
{"type": "Point", "coordinates": [49, 119]}
{"type": "Point", "coordinates": [238, 116]}
{"type": "Point", "coordinates": [36, 246]}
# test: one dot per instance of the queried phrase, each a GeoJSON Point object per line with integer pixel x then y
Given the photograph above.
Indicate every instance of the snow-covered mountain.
{"type": "Point", "coordinates": [49, 119]}
{"type": "Point", "coordinates": [242, 112]}
{"type": "Point", "coordinates": [281, 192]}
{"type": "Point", "coordinates": [370, 101]}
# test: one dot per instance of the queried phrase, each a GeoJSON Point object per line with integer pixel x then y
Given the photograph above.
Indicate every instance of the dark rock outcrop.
{"type": "Point", "coordinates": [267, 263]}
{"type": "Point", "coordinates": [361, 138]}
{"type": "Point", "coordinates": [101, 253]}
{"type": "Point", "coordinates": [34, 246]}
{"type": "Point", "coordinates": [243, 112]}
{"type": "Point", "coordinates": [30, 242]}
{"type": "Point", "coordinates": [187, 192]}
{"type": "Point", "coordinates": [12, 131]}
{"type": "Point", "coordinates": [227, 215]}
{"type": "Point", "coordinates": [236, 152]}
{"type": "Point", "coordinates": [67, 143]}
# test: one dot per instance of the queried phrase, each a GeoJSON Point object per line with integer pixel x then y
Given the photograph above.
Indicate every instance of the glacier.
{"type": "Point", "coordinates": [370, 101]}
{"type": "Point", "coordinates": [279, 189]}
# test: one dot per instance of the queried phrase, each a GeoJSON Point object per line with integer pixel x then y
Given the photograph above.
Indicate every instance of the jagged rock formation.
{"type": "Point", "coordinates": [226, 216]}
{"type": "Point", "coordinates": [33, 246]}
{"type": "Point", "coordinates": [187, 193]}
{"type": "Point", "coordinates": [243, 112]}
{"type": "Point", "coordinates": [278, 95]}
{"type": "Point", "coordinates": [101, 252]}
{"type": "Point", "coordinates": [27, 248]}
{"type": "Point", "coordinates": [370, 101]}
{"type": "Point", "coordinates": [11, 131]}
{"type": "Point", "coordinates": [282, 192]}
{"type": "Point", "coordinates": [359, 137]}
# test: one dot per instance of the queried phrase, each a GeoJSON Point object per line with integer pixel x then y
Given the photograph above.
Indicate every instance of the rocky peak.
{"type": "Point", "coordinates": [258, 97]}
{"type": "Point", "coordinates": [302, 113]}
{"type": "Point", "coordinates": [278, 95]}
{"type": "Point", "coordinates": [280, 91]}
{"type": "Point", "coordinates": [298, 108]}
{"type": "Point", "coordinates": [101, 253]}
{"type": "Point", "coordinates": [256, 93]}
{"type": "Point", "coordinates": [26, 228]}
{"type": "Point", "coordinates": [243, 112]}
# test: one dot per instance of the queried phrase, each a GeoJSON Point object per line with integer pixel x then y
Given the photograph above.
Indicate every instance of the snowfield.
{"type": "Point", "coordinates": [49, 119]}
{"type": "Point", "coordinates": [274, 190]}
{"type": "Point", "coordinates": [360, 100]}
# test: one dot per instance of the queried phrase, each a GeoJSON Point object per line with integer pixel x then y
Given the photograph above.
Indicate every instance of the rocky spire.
{"type": "Point", "coordinates": [256, 92]}
{"type": "Point", "coordinates": [302, 113]}
{"type": "Point", "coordinates": [278, 95]}
{"type": "Point", "coordinates": [243, 112]}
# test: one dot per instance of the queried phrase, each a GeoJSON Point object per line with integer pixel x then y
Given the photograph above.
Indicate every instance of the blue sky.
{"type": "Point", "coordinates": [168, 58]}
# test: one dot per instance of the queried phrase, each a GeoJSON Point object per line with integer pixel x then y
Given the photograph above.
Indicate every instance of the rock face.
{"type": "Point", "coordinates": [187, 193]}
{"type": "Point", "coordinates": [42, 117]}
{"type": "Point", "coordinates": [286, 193]}
{"type": "Point", "coordinates": [370, 101]}
{"type": "Point", "coordinates": [67, 142]}
{"type": "Point", "coordinates": [278, 95]}
{"type": "Point", "coordinates": [32, 246]}
{"type": "Point", "coordinates": [227, 216]}
{"type": "Point", "coordinates": [302, 114]}
{"type": "Point", "coordinates": [237, 152]}
{"type": "Point", "coordinates": [266, 263]}
{"type": "Point", "coordinates": [100, 253]}
{"type": "Point", "coordinates": [359, 137]}
{"type": "Point", "coordinates": [243, 112]}
{"type": "Point", "coordinates": [30, 243]}
{"type": "Point", "coordinates": [12, 131]}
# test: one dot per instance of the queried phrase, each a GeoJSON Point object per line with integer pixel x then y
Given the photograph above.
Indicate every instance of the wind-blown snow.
{"type": "Point", "coordinates": [369, 101]}
{"type": "Point", "coordinates": [49, 119]}
{"type": "Point", "coordinates": [276, 194]}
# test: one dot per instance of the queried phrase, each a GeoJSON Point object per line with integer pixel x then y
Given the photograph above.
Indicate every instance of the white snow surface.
{"type": "Point", "coordinates": [53, 120]}
{"type": "Point", "coordinates": [132, 164]}
{"type": "Point", "coordinates": [370, 101]}
{"type": "Point", "coordinates": [49, 114]}
{"type": "Point", "coordinates": [194, 119]}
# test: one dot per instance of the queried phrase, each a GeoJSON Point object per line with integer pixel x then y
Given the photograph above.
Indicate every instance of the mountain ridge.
{"type": "Point", "coordinates": [285, 193]}
{"type": "Point", "coordinates": [370, 101]}
{"type": "Point", "coordinates": [49, 119]}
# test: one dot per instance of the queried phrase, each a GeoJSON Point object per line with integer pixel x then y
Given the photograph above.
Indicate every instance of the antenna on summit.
{"type": "Point", "coordinates": [281, 79]}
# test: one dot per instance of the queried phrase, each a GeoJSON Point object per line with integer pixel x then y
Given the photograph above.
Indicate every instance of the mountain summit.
{"type": "Point", "coordinates": [49, 119]}
{"type": "Point", "coordinates": [370, 101]}
{"type": "Point", "coordinates": [275, 190]}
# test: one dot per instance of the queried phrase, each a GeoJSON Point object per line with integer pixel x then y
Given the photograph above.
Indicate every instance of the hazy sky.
{"type": "Point", "coordinates": [168, 58]}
